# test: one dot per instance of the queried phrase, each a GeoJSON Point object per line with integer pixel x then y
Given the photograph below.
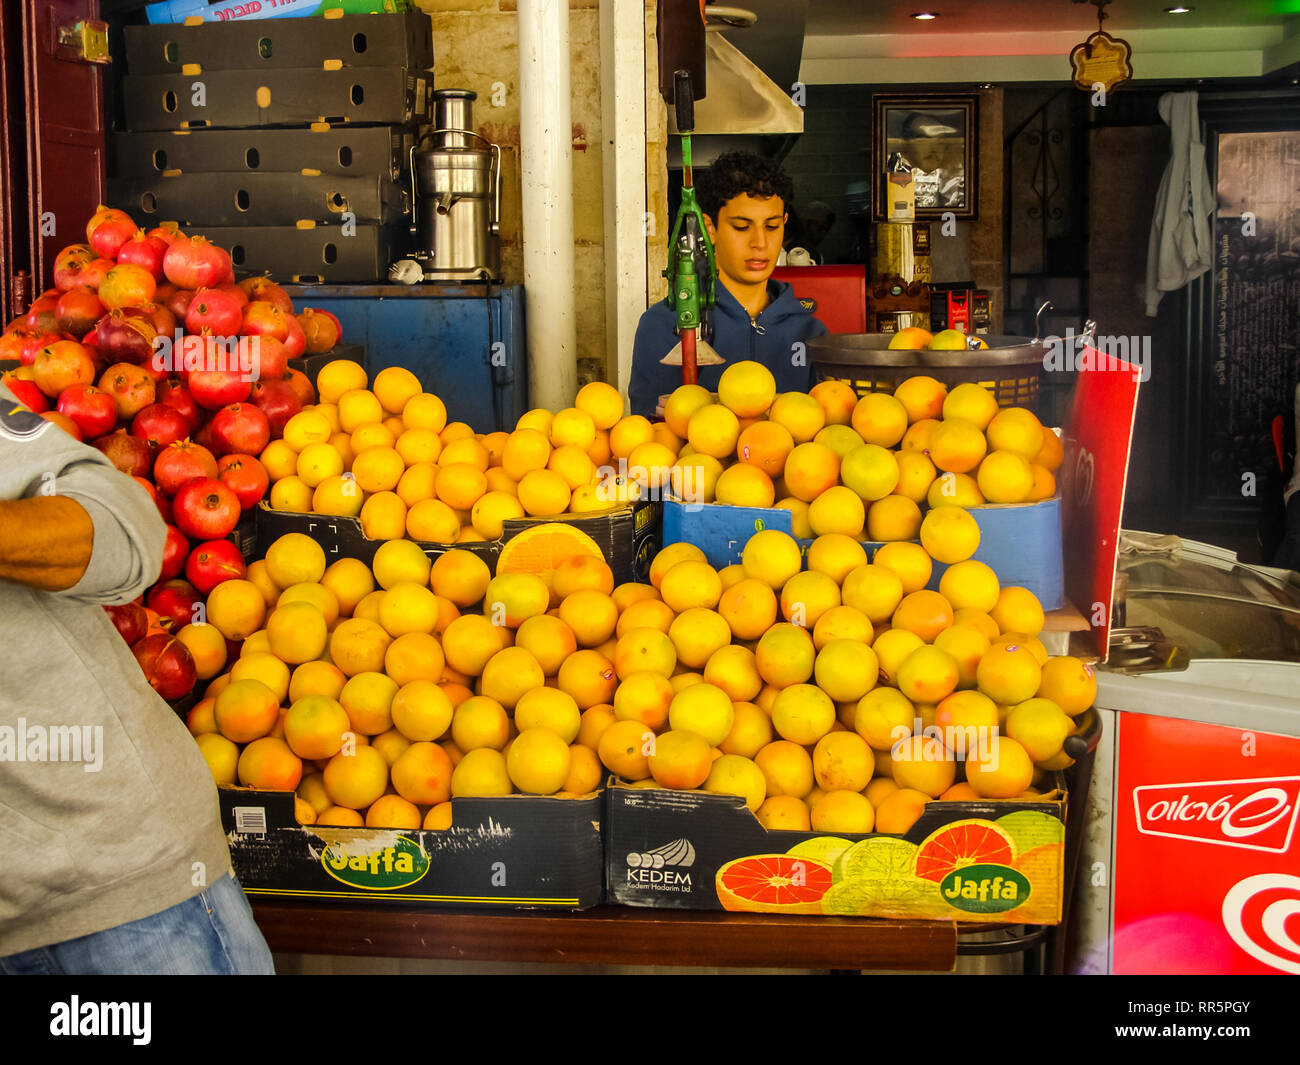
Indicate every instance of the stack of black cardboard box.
{"type": "Point", "coordinates": [285, 141]}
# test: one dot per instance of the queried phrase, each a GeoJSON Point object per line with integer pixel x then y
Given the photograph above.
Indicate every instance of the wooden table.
{"type": "Point", "coordinates": [610, 935]}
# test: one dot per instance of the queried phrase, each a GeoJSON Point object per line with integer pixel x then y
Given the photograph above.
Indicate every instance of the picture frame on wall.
{"type": "Point", "coordinates": [938, 135]}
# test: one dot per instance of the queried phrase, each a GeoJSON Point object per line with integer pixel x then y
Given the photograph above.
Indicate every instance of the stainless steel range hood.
{"type": "Point", "coordinates": [753, 54]}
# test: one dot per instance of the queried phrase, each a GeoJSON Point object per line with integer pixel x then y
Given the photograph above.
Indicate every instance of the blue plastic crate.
{"type": "Point", "coordinates": [1020, 543]}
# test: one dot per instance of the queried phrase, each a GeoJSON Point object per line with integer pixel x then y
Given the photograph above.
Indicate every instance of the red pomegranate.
{"type": "Point", "coordinates": [144, 250]}
{"type": "Point", "coordinates": [303, 386]}
{"type": "Point", "coordinates": [94, 411]}
{"type": "Point", "coordinates": [132, 388]}
{"type": "Point", "coordinates": [125, 337]}
{"type": "Point", "coordinates": [205, 509]}
{"type": "Point", "coordinates": [176, 549]}
{"type": "Point", "coordinates": [107, 235]}
{"type": "Point", "coordinates": [61, 365]}
{"type": "Point", "coordinates": [43, 315]}
{"type": "Point", "coordinates": [215, 311]}
{"type": "Point", "coordinates": [130, 620]}
{"type": "Point", "coordinates": [213, 562]}
{"type": "Point", "coordinates": [265, 319]}
{"type": "Point", "coordinates": [160, 425]}
{"type": "Point", "coordinates": [194, 262]}
{"type": "Point", "coordinates": [127, 453]}
{"type": "Point", "coordinates": [214, 389]}
{"type": "Point", "coordinates": [265, 290]}
{"type": "Point", "coordinates": [167, 232]}
{"type": "Point", "coordinates": [69, 264]}
{"type": "Point", "coordinates": [177, 394]}
{"type": "Point", "coordinates": [181, 461]}
{"type": "Point", "coordinates": [167, 663]}
{"type": "Point", "coordinates": [266, 355]}
{"type": "Point", "coordinates": [77, 311]}
{"type": "Point", "coordinates": [63, 422]}
{"type": "Point", "coordinates": [245, 476]}
{"type": "Point", "coordinates": [320, 332]}
{"type": "Point", "coordinates": [127, 285]}
{"type": "Point", "coordinates": [25, 392]}
{"type": "Point", "coordinates": [279, 401]}
{"type": "Point", "coordinates": [240, 428]}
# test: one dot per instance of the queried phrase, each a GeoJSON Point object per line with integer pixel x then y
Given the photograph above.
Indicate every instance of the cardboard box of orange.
{"type": "Point", "coordinates": [993, 861]}
{"type": "Point", "coordinates": [627, 538]}
{"type": "Point", "coordinates": [1021, 542]}
{"type": "Point", "coordinates": [516, 852]}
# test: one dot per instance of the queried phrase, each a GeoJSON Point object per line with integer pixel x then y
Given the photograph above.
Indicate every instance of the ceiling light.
{"type": "Point", "coordinates": [926, 16]}
{"type": "Point", "coordinates": [1179, 10]}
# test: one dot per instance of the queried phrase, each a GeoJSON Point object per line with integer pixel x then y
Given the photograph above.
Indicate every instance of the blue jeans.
{"type": "Point", "coordinates": [212, 933]}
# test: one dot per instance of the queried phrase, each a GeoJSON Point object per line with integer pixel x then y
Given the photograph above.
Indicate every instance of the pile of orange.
{"type": "Point", "coordinates": [384, 451]}
{"type": "Point", "coordinates": [840, 697]}
{"type": "Point", "coordinates": [864, 466]}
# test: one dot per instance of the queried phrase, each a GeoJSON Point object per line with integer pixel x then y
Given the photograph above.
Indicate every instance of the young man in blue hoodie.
{"type": "Point", "coordinates": [743, 197]}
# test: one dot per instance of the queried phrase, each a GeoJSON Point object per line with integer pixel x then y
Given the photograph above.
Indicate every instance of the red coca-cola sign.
{"type": "Point", "coordinates": [1254, 813]}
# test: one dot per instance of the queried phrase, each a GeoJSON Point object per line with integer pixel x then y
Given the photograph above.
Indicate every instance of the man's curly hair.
{"type": "Point", "coordinates": [737, 174]}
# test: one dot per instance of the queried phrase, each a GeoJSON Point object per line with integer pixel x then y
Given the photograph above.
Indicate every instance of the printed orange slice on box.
{"type": "Point", "coordinates": [773, 883]}
{"type": "Point", "coordinates": [963, 843]}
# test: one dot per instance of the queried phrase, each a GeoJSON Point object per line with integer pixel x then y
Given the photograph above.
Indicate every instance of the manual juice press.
{"type": "Point", "coordinates": [456, 196]}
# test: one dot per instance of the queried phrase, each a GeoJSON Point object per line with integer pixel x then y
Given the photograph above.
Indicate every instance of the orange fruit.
{"type": "Point", "coordinates": [883, 717]}
{"type": "Point", "coordinates": [803, 713]}
{"type": "Point", "coordinates": [572, 426]}
{"type": "Point", "coordinates": [1068, 682]}
{"type": "Point", "coordinates": [422, 774]}
{"type": "Point", "coordinates": [245, 710]}
{"type": "Point", "coordinates": [893, 518]}
{"type": "Point", "coordinates": [743, 485]}
{"type": "Point", "coordinates": [681, 760]}
{"type": "Point", "coordinates": [509, 674]}
{"type": "Point", "coordinates": [875, 590]}
{"type": "Point", "coordinates": [799, 414]}
{"type": "Point", "coordinates": [1017, 430]}
{"type": "Point", "coordinates": [899, 810]}
{"type": "Point", "coordinates": [972, 403]}
{"type": "Point", "coordinates": [967, 644]}
{"type": "Point", "coordinates": [749, 607]}
{"type": "Point", "coordinates": [589, 677]}
{"type": "Point", "coordinates": [696, 633]}
{"type": "Point", "coordinates": [837, 399]}
{"type": "Point", "coordinates": [268, 763]}
{"type": "Point", "coordinates": [591, 615]}
{"type": "Point", "coordinates": [713, 430]}
{"type": "Point", "coordinates": [842, 623]}
{"type": "Point", "coordinates": [798, 509]}
{"type": "Point", "coordinates": [751, 731]}
{"type": "Point", "coordinates": [924, 613]}
{"type": "Point", "coordinates": [806, 596]}
{"type": "Point", "coordinates": [871, 471]}
{"type": "Point", "coordinates": [548, 639]}
{"type": "Point", "coordinates": [880, 418]}
{"type": "Point", "coordinates": [846, 670]}
{"type": "Point", "coordinates": [957, 445]}
{"type": "Point", "coordinates": [949, 534]}
{"type": "Point", "coordinates": [602, 402]}
{"type": "Point", "coordinates": [733, 775]}
{"type": "Point", "coordinates": [787, 768]}
{"type": "Point", "coordinates": [315, 725]}
{"type": "Point", "coordinates": [836, 510]}
{"type": "Point", "coordinates": [1005, 477]}
{"type": "Point", "coordinates": [1044, 484]}
{"type": "Point", "coordinates": [836, 555]}
{"type": "Point", "coordinates": [922, 397]}
{"type": "Point", "coordinates": [785, 655]}
{"type": "Point", "coordinates": [839, 438]}
{"type": "Point", "coordinates": [733, 669]}
{"type": "Point", "coordinates": [644, 696]}
{"type": "Point", "coordinates": [927, 675]}
{"type": "Point", "coordinates": [784, 812]}
{"type": "Point", "coordinates": [923, 764]}
{"type": "Point", "coordinates": [746, 388]}
{"type": "Point", "coordinates": [811, 469]}
{"type": "Point", "coordinates": [1017, 610]}
{"type": "Point", "coordinates": [970, 584]}
{"type": "Point", "coordinates": [1000, 769]}
{"type": "Point", "coordinates": [625, 748]}
{"type": "Point", "coordinates": [704, 709]}
{"type": "Point", "coordinates": [771, 556]}
{"type": "Point", "coordinates": [1009, 674]}
{"type": "Point", "coordinates": [355, 780]}
{"type": "Point", "coordinates": [394, 386]}
{"type": "Point", "coordinates": [671, 554]}
{"type": "Point", "coordinates": [549, 708]}
{"type": "Point", "coordinates": [842, 761]}
{"type": "Point", "coordinates": [646, 614]}
{"type": "Point", "coordinates": [959, 489]}
{"type": "Point", "coordinates": [684, 401]}
{"type": "Point", "coordinates": [1051, 454]}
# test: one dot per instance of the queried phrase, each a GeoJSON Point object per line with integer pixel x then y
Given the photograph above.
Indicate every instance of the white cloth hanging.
{"type": "Point", "coordinates": [1180, 246]}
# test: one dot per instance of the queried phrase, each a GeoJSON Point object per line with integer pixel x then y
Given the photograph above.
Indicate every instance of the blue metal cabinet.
{"type": "Point", "coordinates": [466, 343]}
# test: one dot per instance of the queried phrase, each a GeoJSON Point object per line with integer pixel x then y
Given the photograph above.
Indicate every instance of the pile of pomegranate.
{"type": "Point", "coordinates": [147, 349]}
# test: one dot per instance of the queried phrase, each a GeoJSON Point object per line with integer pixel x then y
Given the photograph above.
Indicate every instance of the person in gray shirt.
{"type": "Point", "coordinates": [112, 855]}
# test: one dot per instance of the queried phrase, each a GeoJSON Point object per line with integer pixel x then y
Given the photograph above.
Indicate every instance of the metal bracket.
{"type": "Point", "coordinates": [84, 41]}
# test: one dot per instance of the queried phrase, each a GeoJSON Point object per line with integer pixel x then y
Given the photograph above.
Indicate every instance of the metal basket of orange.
{"type": "Point", "coordinates": [1011, 367]}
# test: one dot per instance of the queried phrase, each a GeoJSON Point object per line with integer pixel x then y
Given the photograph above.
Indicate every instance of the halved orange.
{"type": "Point", "coordinates": [773, 883]}
{"type": "Point", "coordinates": [963, 843]}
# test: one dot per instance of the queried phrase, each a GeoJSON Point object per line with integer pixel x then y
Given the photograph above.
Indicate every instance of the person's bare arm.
{"type": "Point", "coordinates": [45, 542]}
